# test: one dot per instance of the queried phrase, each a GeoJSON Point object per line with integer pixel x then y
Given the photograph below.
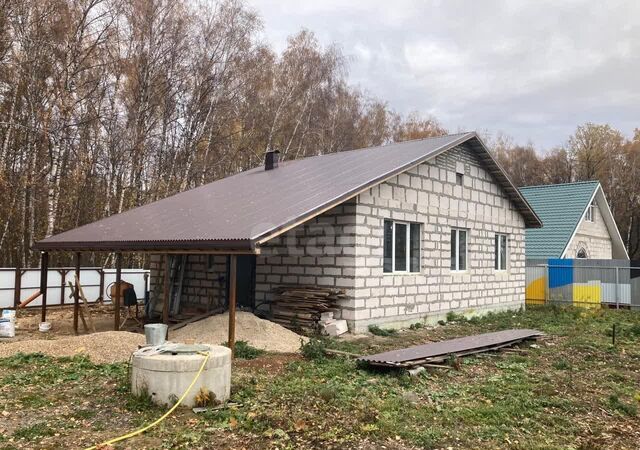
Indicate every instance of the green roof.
{"type": "Point", "coordinates": [560, 207]}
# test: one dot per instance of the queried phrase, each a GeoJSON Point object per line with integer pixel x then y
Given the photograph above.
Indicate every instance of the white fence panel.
{"type": "Point", "coordinates": [89, 279]}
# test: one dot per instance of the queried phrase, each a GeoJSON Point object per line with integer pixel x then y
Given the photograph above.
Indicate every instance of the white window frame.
{"type": "Point", "coordinates": [466, 250]}
{"type": "Point", "coordinates": [590, 215]}
{"type": "Point", "coordinates": [496, 252]}
{"type": "Point", "coordinates": [393, 246]}
{"type": "Point", "coordinates": [407, 249]}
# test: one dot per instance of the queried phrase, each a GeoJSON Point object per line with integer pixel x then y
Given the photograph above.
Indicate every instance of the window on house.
{"type": "Point", "coordinates": [401, 247]}
{"type": "Point", "coordinates": [590, 215]}
{"type": "Point", "coordinates": [458, 249]}
{"type": "Point", "coordinates": [582, 253]}
{"type": "Point", "coordinates": [459, 179]}
{"type": "Point", "coordinates": [500, 254]}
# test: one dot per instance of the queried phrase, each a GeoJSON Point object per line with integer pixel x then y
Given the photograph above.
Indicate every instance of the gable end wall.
{"type": "Point", "coordinates": [594, 237]}
{"type": "Point", "coordinates": [428, 194]}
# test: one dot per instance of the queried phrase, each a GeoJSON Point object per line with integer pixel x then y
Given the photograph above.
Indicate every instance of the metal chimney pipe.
{"type": "Point", "coordinates": [271, 159]}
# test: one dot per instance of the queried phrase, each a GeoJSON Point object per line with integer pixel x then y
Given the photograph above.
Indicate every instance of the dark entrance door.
{"type": "Point", "coordinates": [245, 281]}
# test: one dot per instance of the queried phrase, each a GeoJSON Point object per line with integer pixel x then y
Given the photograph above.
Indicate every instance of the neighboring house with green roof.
{"type": "Point", "coordinates": [577, 223]}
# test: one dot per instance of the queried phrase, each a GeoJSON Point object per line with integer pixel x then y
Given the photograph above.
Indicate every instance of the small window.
{"type": "Point", "coordinates": [590, 215]}
{"type": "Point", "coordinates": [401, 247]}
{"type": "Point", "coordinates": [582, 253]}
{"type": "Point", "coordinates": [500, 254]}
{"type": "Point", "coordinates": [460, 179]}
{"type": "Point", "coordinates": [458, 249]}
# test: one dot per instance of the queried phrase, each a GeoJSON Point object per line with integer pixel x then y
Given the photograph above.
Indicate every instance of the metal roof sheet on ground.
{"type": "Point", "coordinates": [239, 211]}
{"type": "Point", "coordinates": [451, 346]}
{"type": "Point", "coordinates": [560, 206]}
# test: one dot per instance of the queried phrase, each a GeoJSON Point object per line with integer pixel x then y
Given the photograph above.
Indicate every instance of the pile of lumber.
{"type": "Point", "coordinates": [299, 307]}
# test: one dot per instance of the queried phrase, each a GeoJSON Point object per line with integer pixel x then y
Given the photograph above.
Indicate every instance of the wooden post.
{"type": "Point", "coordinates": [63, 284]}
{"type": "Point", "coordinates": [17, 286]}
{"type": "Point", "coordinates": [165, 290]}
{"type": "Point", "coordinates": [44, 273]}
{"type": "Point", "coordinates": [101, 293]}
{"type": "Point", "coordinates": [233, 263]}
{"type": "Point", "coordinates": [76, 295]}
{"type": "Point", "coordinates": [116, 316]}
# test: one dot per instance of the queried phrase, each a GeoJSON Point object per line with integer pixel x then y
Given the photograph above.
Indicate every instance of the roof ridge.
{"type": "Point", "coordinates": [389, 144]}
{"type": "Point", "coordinates": [559, 184]}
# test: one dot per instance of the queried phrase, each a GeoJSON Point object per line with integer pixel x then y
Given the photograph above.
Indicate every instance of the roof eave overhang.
{"type": "Point", "coordinates": [240, 246]}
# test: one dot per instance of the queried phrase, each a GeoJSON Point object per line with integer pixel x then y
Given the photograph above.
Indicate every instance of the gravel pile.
{"type": "Point", "coordinates": [259, 333]}
{"type": "Point", "coordinates": [101, 348]}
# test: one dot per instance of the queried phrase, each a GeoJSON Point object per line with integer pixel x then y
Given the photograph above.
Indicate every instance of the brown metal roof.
{"type": "Point", "coordinates": [238, 212]}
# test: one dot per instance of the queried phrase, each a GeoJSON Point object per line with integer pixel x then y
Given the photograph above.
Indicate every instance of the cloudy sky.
{"type": "Point", "coordinates": [533, 69]}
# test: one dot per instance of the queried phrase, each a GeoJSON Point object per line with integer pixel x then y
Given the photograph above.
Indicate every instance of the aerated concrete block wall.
{"type": "Point", "coordinates": [428, 194]}
{"type": "Point", "coordinates": [320, 252]}
{"type": "Point", "coordinates": [204, 282]}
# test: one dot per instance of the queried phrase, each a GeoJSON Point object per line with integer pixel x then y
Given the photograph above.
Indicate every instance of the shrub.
{"type": "Point", "coordinates": [377, 331]}
{"type": "Point", "coordinates": [245, 351]}
{"type": "Point", "coordinates": [455, 317]}
{"type": "Point", "coordinates": [314, 348]}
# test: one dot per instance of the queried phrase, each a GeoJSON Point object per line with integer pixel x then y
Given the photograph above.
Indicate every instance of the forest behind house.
{"type": "Point", "coordinates": [106, 105]}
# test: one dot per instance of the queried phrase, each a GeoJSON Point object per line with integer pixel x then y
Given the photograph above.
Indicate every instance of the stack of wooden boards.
{"type": "Point", "coordinates": [299, 307]}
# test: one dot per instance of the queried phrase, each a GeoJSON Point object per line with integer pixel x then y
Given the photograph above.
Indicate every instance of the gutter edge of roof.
{"type": "Point", "coordinates": [218, 246]}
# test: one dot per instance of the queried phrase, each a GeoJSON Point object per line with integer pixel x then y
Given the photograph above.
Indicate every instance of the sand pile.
{"type": "Point", "coordinates": [259, 333]}
{"type": "Point", "coordinates": [105, 347]}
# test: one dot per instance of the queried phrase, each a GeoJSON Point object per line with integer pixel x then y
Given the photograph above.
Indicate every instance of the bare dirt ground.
{"type": "Point", "coordinates": [108, 346]}
{"type": "Point", "coordinates": [61, 319]}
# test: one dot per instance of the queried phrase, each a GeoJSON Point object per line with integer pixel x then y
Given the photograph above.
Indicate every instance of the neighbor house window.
{"type": "Point", "coordinates": [590, 215]}
{"type": "Point", "coordinates": [500, 254]}
{"type": "Point", "coordinates": [459, 179]}
{"type": "Point", "coordinates": [458, 249]}
{"type": "Point", "coordinates": [401, 246]}
{"type": "Point", "coordinates": [582, 254]}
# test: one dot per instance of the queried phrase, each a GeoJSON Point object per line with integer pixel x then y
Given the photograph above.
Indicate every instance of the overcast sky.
{"type": "Point", "coordinates": [533, 70]}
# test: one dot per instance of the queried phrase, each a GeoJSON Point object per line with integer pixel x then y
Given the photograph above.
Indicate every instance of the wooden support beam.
{"type": "Point", "coordinates": [63, 284]}
{"type": "Point", "coordinates": [166, 290]}
{"type": "Point", "coordinates": [17, 286]}
{"type": "Point", "coordinates": [29, 299]}
{"type": "Point", "coordinates": [116, 300]}
{"type": "Point", "coordinates": [233, 262]}
{"type": "Point", "coordinates": [101, 293]}
{"type": "Point", "coordinates": [44, 273]}
{"type": "Point", "coordinates": [76, 295]}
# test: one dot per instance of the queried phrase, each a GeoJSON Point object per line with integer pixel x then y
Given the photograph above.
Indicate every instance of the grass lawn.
{"type": "Point", "coordinates": [574, 390]}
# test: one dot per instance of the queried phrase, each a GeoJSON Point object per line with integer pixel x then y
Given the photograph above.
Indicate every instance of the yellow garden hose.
{"type": "Point", "coordinates": [164, 416]}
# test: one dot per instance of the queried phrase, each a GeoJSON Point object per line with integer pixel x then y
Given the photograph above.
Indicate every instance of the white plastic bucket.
{"type": "Point", "coordinates": [8, 323]}
{"type": "Point", "coordinates": [155, 333]}
{"type": "Point", "coordinates": [44, 327]}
